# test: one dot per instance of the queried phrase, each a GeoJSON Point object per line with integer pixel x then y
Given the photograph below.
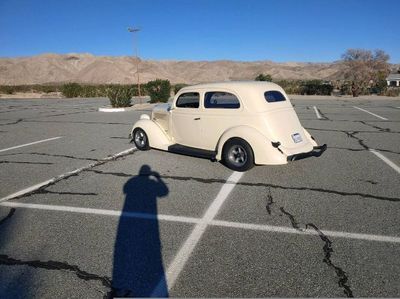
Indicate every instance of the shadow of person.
{"type": "Point", "coordinates": [138, 267]}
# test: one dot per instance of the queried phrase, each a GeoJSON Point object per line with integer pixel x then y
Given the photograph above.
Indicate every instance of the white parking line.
{"type": "Point", "coordinates": [317, 112]}
{"type": "Point", "coordinates": [376, 115]}
{"type": "Point", "coordinates": [66, 175]}
{"type": "Point", "coordinates": [31, 143]}
{"type": "Point", "coordinates": [192, 220]}
{"type": "Point", "coordinates": [386, 160]}
{"type": "Point", "coordinates": [187, 248]}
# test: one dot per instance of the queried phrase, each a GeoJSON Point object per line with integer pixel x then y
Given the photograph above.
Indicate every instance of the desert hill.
{"type": "Point", "coordinates": [87, 68]}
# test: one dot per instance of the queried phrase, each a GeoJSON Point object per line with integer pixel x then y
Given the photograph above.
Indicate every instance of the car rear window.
{"type": "Point", "coordinates": [274, 96]}
{"type": "Point", "coordinates": [221, 100]}
{"type": "Point", "coordinates": [188, 100]}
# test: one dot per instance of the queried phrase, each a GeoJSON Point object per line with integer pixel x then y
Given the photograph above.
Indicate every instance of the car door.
{"type": "Point", "coordinates": [185, 119]}
{"type": "Point", "coordinates": [222, 110]}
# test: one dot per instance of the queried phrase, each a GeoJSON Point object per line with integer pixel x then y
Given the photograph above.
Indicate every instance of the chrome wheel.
{"type": "Point", "coordinates": [237, 155]}
{"type": "Point", "coordinates": [140, 139]}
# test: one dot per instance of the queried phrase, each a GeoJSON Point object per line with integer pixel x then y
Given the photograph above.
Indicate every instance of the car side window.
{"type": "Point", "coordinates": [221, 100]}
{"type": "Point", "coordinates": [274, 96]}
{"type": "Point", "coordinates": [188, 100]}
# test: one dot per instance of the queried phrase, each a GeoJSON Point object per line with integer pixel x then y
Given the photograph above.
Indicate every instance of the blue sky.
{"type": "Point", "coordinates": [245, 30]}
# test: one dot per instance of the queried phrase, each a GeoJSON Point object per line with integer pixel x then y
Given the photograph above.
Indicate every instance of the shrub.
{"type": "Point", "coordinates": [262, 77]}
{"type": "Point", "coordinates": [290, 86]}
{"type": "Point", "coordinates": [316, 87]}
{"type": "Point", "coordinates": [392, 92]}
{"type": "Point", "coordinates": [120, 95]}
{"type": "Point", "coordinates": [178, 87]}
{"type": "Point", "coordinates": [158, 90]}
{"type": "Point", "coordinates": [7, 89]}
{"type": "Point", "coordinates": [71, 90]}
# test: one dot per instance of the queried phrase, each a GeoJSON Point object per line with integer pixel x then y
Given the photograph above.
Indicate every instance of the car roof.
{"type": "Point", "coordinates": [248, 91]}
{"type": "Point", "coordinates": [264, 85]}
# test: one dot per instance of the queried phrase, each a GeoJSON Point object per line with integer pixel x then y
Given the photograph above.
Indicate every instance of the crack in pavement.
{"type": "Point", "coordinates": [324, 117]}
{"type": "Point", "coordinates": [363, 149]}
{"type": "Point", "coordinates": [270, 201]}
{"type": "Point", "coordinates": [361, 142]}
{"type": "Point", "coordinates": [13, 123]}
{"type": "Point", "coordinates": [9, 215]}
{"type": "Point", "coordinates": [328, 250]}
{"type": "Point", "coordinates": [222, 181]}
{"type": "Point", "coordinates": [44, 191]}
{"type": "Point", "coordinates": [59, 266]}
{"type": "Point", "coordinates": [51, 155]}
{"type": "Point", "coordinates": [293, 221]}
{"type": "Point", "coordinates": [25, 162]}
{"type": "Point", "coordinates": [76, 172]}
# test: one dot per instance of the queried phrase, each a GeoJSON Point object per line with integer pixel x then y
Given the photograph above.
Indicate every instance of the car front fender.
{"type": "Point", "coordinates": [263, 150]}
{"type": "Point", "coordinates": [156, 136]}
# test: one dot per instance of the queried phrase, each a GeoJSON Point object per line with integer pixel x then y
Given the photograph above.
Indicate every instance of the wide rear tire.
{"type": "Point", "coordinates": [238, 155]}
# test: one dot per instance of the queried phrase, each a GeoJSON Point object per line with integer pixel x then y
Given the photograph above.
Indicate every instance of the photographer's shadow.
{"type": "Point", "coordinates": [138, 267]}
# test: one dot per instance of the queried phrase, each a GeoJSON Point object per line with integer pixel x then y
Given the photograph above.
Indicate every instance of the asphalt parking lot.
{"type": "Point", "coordinates": [83, 214]}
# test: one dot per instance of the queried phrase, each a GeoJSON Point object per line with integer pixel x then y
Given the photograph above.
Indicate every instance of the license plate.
{"type": "Point", "coordinates": [297, 138]}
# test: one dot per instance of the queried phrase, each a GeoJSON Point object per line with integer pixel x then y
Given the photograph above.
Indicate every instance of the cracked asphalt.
{"type": "Point", "coordinates": [272, 237]}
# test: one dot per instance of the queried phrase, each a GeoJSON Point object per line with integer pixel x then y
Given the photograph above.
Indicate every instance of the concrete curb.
{"type": "Point", "coordinates": [110, 109]}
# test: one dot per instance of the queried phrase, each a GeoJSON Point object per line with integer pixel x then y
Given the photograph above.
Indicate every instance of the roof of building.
{"type": "Point", "coordinates": [393, 77]}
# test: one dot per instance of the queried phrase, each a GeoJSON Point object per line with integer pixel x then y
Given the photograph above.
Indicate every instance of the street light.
{"type": "Point", "coordinates": [135, 45]}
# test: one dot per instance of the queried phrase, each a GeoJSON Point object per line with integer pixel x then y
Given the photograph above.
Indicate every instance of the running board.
{"type": "Point", "coordinates": [191, 151]}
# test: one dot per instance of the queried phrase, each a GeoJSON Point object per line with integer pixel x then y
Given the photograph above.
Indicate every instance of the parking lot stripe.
{"type": "Point", "coordinates": [386, 160]}
{"type": "Point", "coordinates": [31, 143]}
{"type": "Point", "coordinates": [202, 221]}
{"type": "Point", "coordinates": [317, 112]}
{"type": "Point", "coordinates": [290, 230]}
{"type": "Point", "coordinates": [376, 115]}
{"type": "Point", "coordinates": [187, 248]}
{"type": "Point", "coordinates": [66, 175]}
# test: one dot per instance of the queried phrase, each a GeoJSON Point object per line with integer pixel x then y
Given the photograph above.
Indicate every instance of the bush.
{"type": "Point", "coordinates": [158, 90]}
{"type": "Point", "coordinates": [120, 95]}
{"type": "Point", "coordinates": [178, 87]}
{"type": "Point", "coordinates": [316, 87]}
{"type": "Point", "coordinates": [392, 92]}
{"type": "Point", "coordinates": [7, 89]}
{"type": "Point", "coordinates": [290, 86]}
{"type": "Point", "coordinates": [262, 77]}
{"type": "Point", "coordinates": [71, 90]}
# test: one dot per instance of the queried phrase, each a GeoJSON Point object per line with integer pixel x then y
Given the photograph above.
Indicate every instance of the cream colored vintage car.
{"type": "Point", "coordinates": [238, 123]}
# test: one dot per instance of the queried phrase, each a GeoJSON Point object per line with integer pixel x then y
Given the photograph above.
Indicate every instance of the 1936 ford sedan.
{"type": "Point", "coordinates": [238, 123]}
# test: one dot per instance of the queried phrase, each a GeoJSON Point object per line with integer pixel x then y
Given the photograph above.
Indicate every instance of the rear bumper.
{"type": "Point", "coordinates": [316, 152]}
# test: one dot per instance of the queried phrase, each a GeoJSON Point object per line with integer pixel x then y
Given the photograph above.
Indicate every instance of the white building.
{"type": "Point", "coordinates": [393, 80]}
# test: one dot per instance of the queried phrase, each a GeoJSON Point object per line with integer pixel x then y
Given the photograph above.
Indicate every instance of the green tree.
{"type": "Point", "coordinates": [264, 77]}
{"type": "Point", "coordinates": [158, 90]}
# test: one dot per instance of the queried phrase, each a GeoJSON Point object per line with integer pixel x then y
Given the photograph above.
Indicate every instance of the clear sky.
{"type": "Point", "coordinates": [246, 30]}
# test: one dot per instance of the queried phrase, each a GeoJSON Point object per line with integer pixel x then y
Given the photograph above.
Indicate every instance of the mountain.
{"type": "Point", "coordinates": [87, 68]}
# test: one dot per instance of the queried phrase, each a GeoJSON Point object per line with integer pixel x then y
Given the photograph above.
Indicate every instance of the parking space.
{"type": "Point", "coordinates": [323, 227]}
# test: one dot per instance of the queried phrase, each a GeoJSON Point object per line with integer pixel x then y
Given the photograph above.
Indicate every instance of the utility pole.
{"type": "Point", "coordinates": [135, 46]}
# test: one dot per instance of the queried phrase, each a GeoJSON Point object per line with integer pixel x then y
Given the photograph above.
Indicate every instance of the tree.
{"type": "Point", "coordinates": [364, 68]}
{"type": "Point", "coordinates": [262, 77]}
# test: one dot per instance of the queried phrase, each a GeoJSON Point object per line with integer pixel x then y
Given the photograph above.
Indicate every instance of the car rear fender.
{"type": "Point", "coordinates": [157, 137]}
{"type": "Point", "coordinates": [263, 150]}
{"type": "Point", "coordinates": [312, 140]}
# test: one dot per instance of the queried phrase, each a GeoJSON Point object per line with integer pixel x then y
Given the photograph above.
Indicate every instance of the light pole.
{"type": "Point", "coordinates": [135, 45]}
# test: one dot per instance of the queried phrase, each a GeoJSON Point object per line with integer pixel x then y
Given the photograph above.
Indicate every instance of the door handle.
{"type": "Point", "coordinates": [197, 118]}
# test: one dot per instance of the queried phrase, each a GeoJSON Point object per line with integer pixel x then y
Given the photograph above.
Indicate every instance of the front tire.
{"type": "Point", "coordinates": [238, 155]}
{"type": "Point", "coordinates": [140, 139]}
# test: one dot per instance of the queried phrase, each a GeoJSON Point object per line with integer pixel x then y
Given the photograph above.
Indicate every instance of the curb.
{"type": "Point", "coordinates": [108, 109]}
